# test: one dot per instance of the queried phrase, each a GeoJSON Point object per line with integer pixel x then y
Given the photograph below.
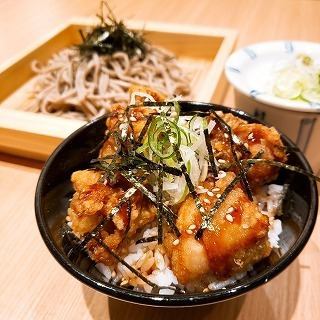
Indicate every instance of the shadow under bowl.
{"type": "Point", "coordinates": [54, 190]}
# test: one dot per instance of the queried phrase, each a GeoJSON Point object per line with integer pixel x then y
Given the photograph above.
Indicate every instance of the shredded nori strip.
{"type": "Point", "coordinates": [167, 212]}
{"type": "Point", "coordinates": [244, 179]}
{"type": "Point", "coordinates": [72, 246]}
{"type": "Point", "coordinates": [155, 288]}
{"type": "Point", "coordinates": [111, 36]}
{"type": "Point", "coordinates": [108, 172]}
{"type": "Point", "coordinates": [197, 113]}
{"type": "Point", "coordinates": [109, 217]}
{"type": "Point", "coordinates": [210, 152]}
{"type": "Point", "coordinates": [146, 240]}
{"type": "Point", "coordinates": [132, 144]}
{"type": "Point", "coordinates": [157, 166]}
{"type": "Point", "coordinates": [128, 211]}
{"type": "Point", "coordinates": [132, 269]}
{"type": "Point", "coordinates": [158, 104]}
{"type": "Point", "coordinates": [206, 220]}
{"type": "Point", "coordinates": [282, 165]}
{"type": "Point", "coordinates": [144, 130]}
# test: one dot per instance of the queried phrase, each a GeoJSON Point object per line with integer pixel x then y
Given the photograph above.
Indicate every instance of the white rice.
{"type": "Point", "coordinates": [147, 258]}
{"type": "Point", "coordinates": [151, 261]}
{"type": "Point", "coordinates": [269, 201]}
{"type": "Point", "coordinates": [274, 231]}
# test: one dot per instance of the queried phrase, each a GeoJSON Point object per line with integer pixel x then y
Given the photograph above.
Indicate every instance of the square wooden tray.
{"type": "Point", "coordinates": [27, 134]}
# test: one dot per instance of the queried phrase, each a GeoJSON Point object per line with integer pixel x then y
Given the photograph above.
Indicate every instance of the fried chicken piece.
{"type": "Point", "coordinates": [158, 96]}
{"type": "Point", "coordinates": [261, 138]}
{"type": "Point", "coordinates": [94, 200]}
{"type": "Point", "coordinates": [189, 260]}
{"type": "Point", "coordinates": [238, 237]}
{"type": "Point", "coordinates": [258, 138]}
{"type": "Point", "coordinates": [98, 253]}
{"type": "Point", "coordinates": [82, 179]}
{"type": "Point", "coordinates": [91, 201]}
{"type": "Point", "coordinates": [137, 117]}
{"type": "Point", "coordinates": [233, 121]}
{"type": "Point", "coordinates": [83, 224]}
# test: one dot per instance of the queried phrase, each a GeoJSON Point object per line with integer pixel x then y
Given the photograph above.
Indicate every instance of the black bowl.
{"type": "Point", "coordinates": [54, 191]}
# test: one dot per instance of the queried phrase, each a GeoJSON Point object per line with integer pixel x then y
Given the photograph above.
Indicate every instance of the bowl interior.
{"type": "Point", "coordinates": [54, 191]}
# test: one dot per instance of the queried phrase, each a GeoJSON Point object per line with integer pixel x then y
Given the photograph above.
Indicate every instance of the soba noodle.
{"type": "Point", "coordinates": [84, 87]}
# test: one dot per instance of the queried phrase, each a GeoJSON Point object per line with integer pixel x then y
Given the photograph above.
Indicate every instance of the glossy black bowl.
{"type": "Point", "coordinates": [54, 191]}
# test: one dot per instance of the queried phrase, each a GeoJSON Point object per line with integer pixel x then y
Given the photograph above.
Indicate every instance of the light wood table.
{"type": "Point", "coordinates": [33, 285]}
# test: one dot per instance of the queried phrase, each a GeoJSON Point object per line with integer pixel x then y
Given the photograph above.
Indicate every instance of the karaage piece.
{"type": "Point", "coordinates": [94, 200]}
{"type": "Point", "coordinates": [136, 116]}
{"type": "Point", "coordinates": [237, 238]}
{"type": "Point", "coordinates": [257, 138]}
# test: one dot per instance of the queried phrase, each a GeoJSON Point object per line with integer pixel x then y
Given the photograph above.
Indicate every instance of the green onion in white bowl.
{"type": "Point", "coordinates": [278, 82]}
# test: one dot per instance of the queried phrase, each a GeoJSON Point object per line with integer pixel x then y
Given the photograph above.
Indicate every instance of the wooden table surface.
{"type": "Point", "coordinates": [33, 285]}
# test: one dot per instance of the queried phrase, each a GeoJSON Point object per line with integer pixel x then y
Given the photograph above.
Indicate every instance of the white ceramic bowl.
{"type": "Point", "coordinates": [251, 71]}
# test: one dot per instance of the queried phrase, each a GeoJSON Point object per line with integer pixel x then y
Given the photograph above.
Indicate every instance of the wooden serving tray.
{"type": "Point", "coordinates": [203, 50]}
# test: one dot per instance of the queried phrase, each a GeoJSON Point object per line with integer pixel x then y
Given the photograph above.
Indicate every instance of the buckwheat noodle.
{"type": "Point", "coordinates": [84, 87]}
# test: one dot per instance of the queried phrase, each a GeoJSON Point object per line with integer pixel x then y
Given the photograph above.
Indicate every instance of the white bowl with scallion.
{"type": "Point", "coordinates": [279, 82]}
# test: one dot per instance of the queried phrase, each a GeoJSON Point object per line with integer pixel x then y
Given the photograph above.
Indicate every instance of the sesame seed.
{"type": "Point", "coordinates": [206, 200]}
{"type": "Point", "coordinates": [192, 227]}
{"type": "Point", "coordinates": [202, 210]}
{"type": "Point", "coordinates": [235, 139]}
{"type": "Point", "coordinates": [189, 231]}
{"type": "Point", "coordinates": [210, 194]}
{"type": "Point", "coordinates": [222, 161]}
{"type": "Point", "coordinates": [124, 282]}
{"type": "Point", "coordinates": [113, 274]}
{"type": "Point", "coordinates": [226, 135]}
{"type": "Point", "coordinates": [205, 290]}
{"type": "Point", "coordinates": [238, 262]}
{"type": "Point", "coordinates": [231, 209]}
{"type": "Point", "coordinates": [132, 118]}
{"type": "Point", "coordinates": [216, 189]}
{"type": "Point", "coordinates": [176, 242]}
{"type": "Point", "coordinates": [68, 218]}
{"type": "Point", "coordinates": [218, 195]}
{"type": "Point", "coordinates": [246, 145]}
{"type": "Point", "coordinates": [229, 217]}
{"type": "Point", "coordinates": [250, 135]}
{"type": "Point", "coordinates": [199, 191]}
{"type": "Point", "coordinates": [200, 187]}
{"type": "Point", "coordinates": [245, 226]}
{"type": "Point", "coordinates": [221, 174]}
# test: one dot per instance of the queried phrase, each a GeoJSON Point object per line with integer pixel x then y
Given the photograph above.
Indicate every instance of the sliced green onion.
{"type": "Point", "coordinates": [311, 95]}
{"type": "Point", "coordinates": [160, 139]}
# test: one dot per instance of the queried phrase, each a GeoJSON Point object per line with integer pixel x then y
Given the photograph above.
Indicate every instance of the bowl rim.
{"type": "Point", "coordinates": [284, 104]}
{"type": "Point", "coordinates": [175, 300]}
